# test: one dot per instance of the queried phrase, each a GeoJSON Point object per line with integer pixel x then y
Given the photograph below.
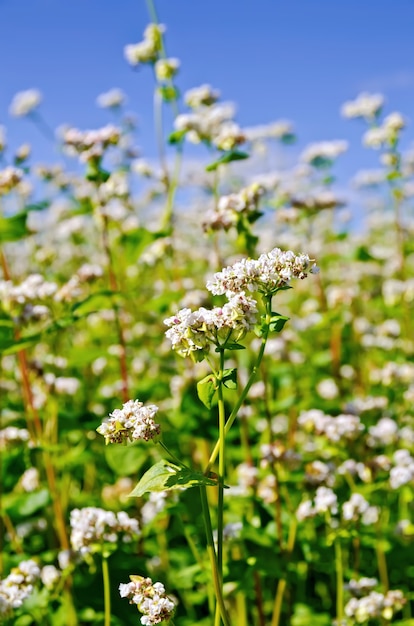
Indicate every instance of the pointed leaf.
{"type": "Point", "coordinates": [230, 378]}
{"type": "Point", "coordinates": [206, 388]}
{"type": "Point", "coordinates": [228, 157]}
{"type": "Point", "coordinates": [165, 476]}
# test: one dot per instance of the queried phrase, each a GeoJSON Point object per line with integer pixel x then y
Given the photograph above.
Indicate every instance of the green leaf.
{"type": "Point", "coordinates": [25, 504]}
{"type": "Point", "coordinates": [164, 476]}
{"type": "Point", "coordinates": [227, 157]}
{"type": "Point", "coordinates": [277, 322]}
{"type": "Point", "coordinates": [94, 302]}
{"type": "Point", "coordinates": [13, 228]}
{"type": "Point", "coordinates": [206, 388]}
{"type": "Point", "coordinates": [230, 378]}
{"type": "Point", "coordinates": [233, 346]}
{"type": "Point", "coordinates": [177, 137]}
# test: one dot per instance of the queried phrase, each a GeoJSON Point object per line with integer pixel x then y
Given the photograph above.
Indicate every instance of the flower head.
{"type": "Point", "coordinates": [25, 102]}
{"type": "Point", "coordinates": [92, 526]}
{"type": "Point", "coordinates": [150, 599]}
{"type": "Point", "coordinates": [267, 274]}
{"type": "Point", "coordinates": [134, 421]}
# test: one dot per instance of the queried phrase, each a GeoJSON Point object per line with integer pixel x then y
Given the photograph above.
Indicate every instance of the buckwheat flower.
{"type": "Point", "coordinates": [376, 137]}
{"type": "Point", "coordinates": [147, 50]}
{"type": "Point", "coordinates": [150, 599]}
{"type": "Point", "coordinates": [12, 435]}
{"type": "Point", "coordinates": [50, 575]}
{"type": "Point", "coordinates": [375, 605]}
{"type": "Point", "coordinates": [229, 136]}
{"type": "Point", "coordinates": [10, 178]}
{"type": "Point", "coordinates": [30, 480]}
{"type": "Point", "coordinates": [281, 129]}
{"type": "Point", "coordinates": [17, 586]}
{"type": "Point", "coordinates": [131, 423]}
{"type": "Point", "coordinates": [325, 500]}
{"type": "Point", "coordinates": [394, 121]}
{"type": "Point", "coordinates": [267, 274]}
{"type": "Point", "coordinates": [25, 102]}
{"type": "Point", "coordinates": [366, 105]}
{"type": "Point", "coordinates": [362, 586]}
{"type": "Point", "coordinates": [383, 433]}
{"type": "Point", "coordinates": [357, 507]}
{"type": "Point", "coordinates": [324, 152]}
{"type": "Point", "coordinates": [166, 69]}
{"type": "Point", "coordinates": [91, 527]}
{"type": "Point", "coordinates": [305, 511]}
{"type": "Point", "coordinates": [190, 331]}
{"type": "Point", "coordinates": [204, 95]}
{"type": "Point", "coordinates": [112, 99]}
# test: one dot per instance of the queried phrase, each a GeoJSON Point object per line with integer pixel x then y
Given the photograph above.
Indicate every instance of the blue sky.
{"type": "Point", "coordinates": [297, 60]}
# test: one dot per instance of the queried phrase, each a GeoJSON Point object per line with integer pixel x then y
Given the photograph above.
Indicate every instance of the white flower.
{"type": "Point", "coordinates": [134, 421]}
{"type": "Point", "coordinates": [366, 105]}
{"type": "Point", "coordinates": [150, 599]}
{"type": "Point", "coordinates": [165, 69]}
{"type": "Point", "coordinates": [111, 99]}
{"type": "Point", "coordinates": [196, 330]}
{"type": "Point", "coordinates": [204, 95]}
{"type": "Point", "coordinates": [30, 479]}
{"type": "Point", "coordinates": [92, 526]}
{"type": "Point", "coordinates": [323, 151]}
{"type": "Point", "coordinates": [25, 102]}
{"type": "Point", "coordinates": [267, 274]}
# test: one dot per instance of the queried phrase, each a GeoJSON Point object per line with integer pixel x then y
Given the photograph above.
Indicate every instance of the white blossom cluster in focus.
{"type": "Point", "coordinates": [267, 274]}
{"type": "Point", "coordinates": [131, 423]}
{"type": "Point", "coordinates": [150, 599]}
{"type": "Point", "coordinates": [196, 330]}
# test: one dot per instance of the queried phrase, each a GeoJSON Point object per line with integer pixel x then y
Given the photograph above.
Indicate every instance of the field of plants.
{"type": "Point", "coordinates": [207, 369]}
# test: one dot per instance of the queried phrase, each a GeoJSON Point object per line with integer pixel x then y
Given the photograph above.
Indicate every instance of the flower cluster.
{"type": "Point", "coordinates": [91, 527]}
{"type": "Point", "coordinates": [324, 152]}
{"type": "Point", "coordinates": [166, 69]}
{"type": "Point", "coordinates": [146, 51]}
{"type": "Point", "coordinates": [230, 208]}
{"type": "Point", "coordinates": [375, 605]}
{"type": "Point", "coordinates": [11, 435]}
{"type": "Point", "coordinates": [386, 134]}
{"type": "Point", "coordinates": [316, 200]}
{"type": "Point", "coordinates": [325, 501]}
{"type": "Point", "coordinates": [366, 105]}
{"type": "Point", "coordinates": [133, 422]}
{"type": "Point", "coordinates": [90, 144]}
{"type": "Point", "coordinates": [25, 102]}
{"type": "Point", "coordinates": [213, 124]}
{"type": "Point", "coordinates": [334, 428]}
{"type": "Point", "coordinates": [33, 289]}
{"type": "Point", "coordinates": [196, 330]}
{"type": "Point", "coordinates": [10, 178]}
{"type": "Point", "coordinates": [112, 99]}
{"type": "Point", "coordinates": [267, 274]}
{"type": "Point", "coordinates": [204, 95]}
{"type": "Point", "coordinates": [281, 129]}
{"type": "Point", "coordinates": [150, 599]}
{"type": "Point", "coordinates": [17, 586]}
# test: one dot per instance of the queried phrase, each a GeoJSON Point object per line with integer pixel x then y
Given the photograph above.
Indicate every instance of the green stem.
{"type": "Point", "coordinates": [339, 581]}
{"type": "Point", "coordinates": [246, 389]}
{"type": "Point", "coordinates": [222, 439]}
{"type": "Point", "coordinates": [107, 590]}
{"type": "Point", "coordinates": [213, 557]}
{"type": "Point", "coordinates": [281, 586]}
